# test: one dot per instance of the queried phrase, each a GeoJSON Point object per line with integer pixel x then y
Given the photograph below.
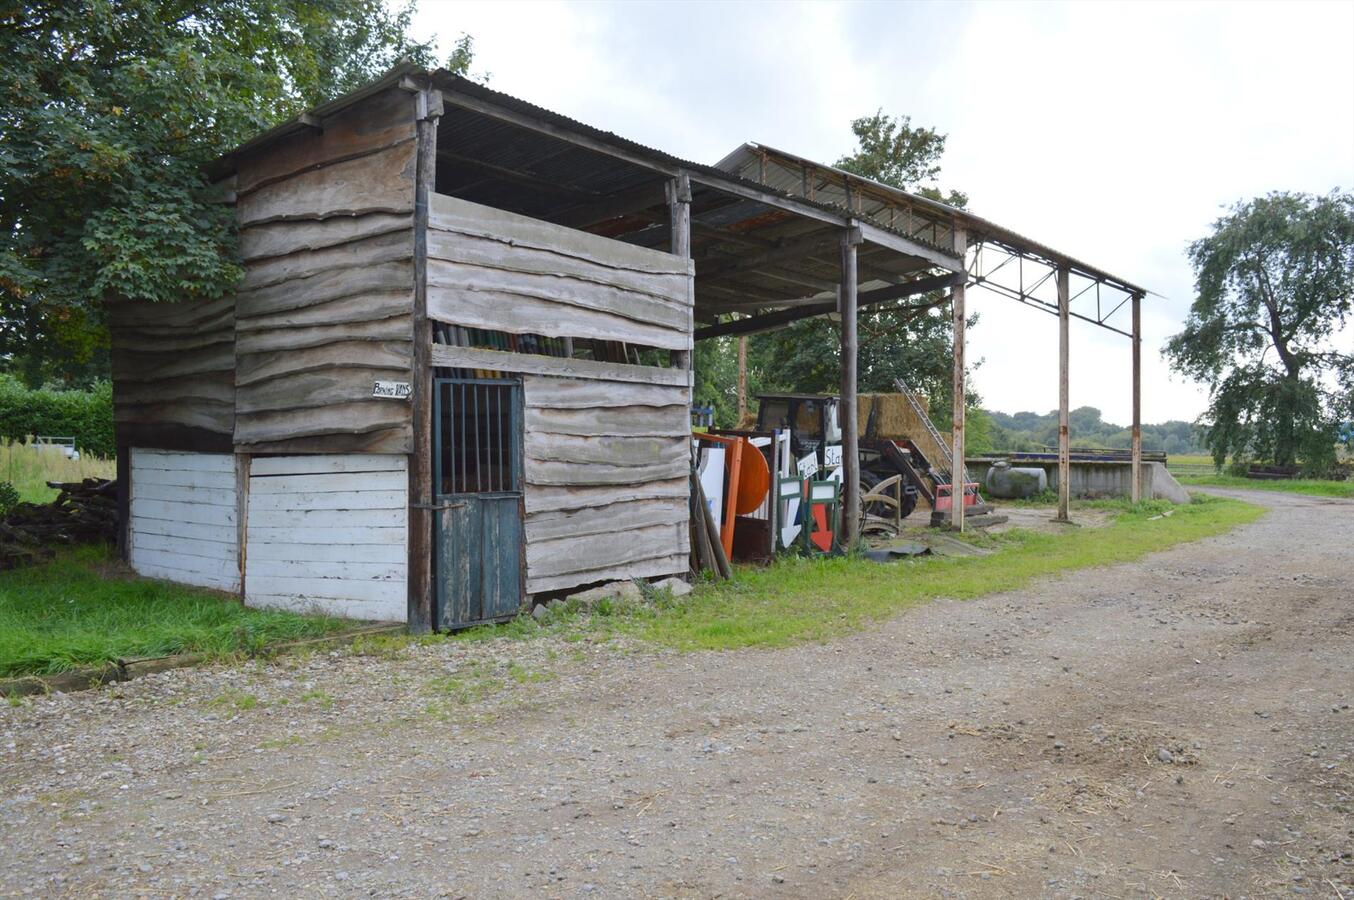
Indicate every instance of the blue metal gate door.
{"type": "Point", "coordinates": [477, 441]}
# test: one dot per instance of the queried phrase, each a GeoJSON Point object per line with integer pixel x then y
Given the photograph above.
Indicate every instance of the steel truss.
{"type": "Point", "coordinates": [1032, 280]}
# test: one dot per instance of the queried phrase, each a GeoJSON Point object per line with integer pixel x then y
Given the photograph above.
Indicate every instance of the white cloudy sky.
{"type": "Point", "coordinates": [1113, 132]}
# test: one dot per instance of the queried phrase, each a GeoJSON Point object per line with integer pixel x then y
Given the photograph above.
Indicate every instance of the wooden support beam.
{"type": "Point", "coordinates": [742, 379]}
{"type": "Point", "coordinates": [1064, 438]}
{"type": "Point", "coordinates": [850, 348]}
{"type": "Point", "coordinates": [780, 318]}
{"type": "Point", "coordinates": [958, 388]}
{"type": "Point", "coordinates": [679, 212]}
{"type": "Point", "coordinates": [124, 498]}
{"type": "Point", "coordinates": [1137, 398]}
{"type": "Point", "coordinates": [421, 488]}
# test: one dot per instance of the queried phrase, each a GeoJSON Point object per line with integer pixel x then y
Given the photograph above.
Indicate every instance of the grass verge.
{"type": "Point", "coordinates": [81, 609]}
{"type": "Point", "coordinates": [29, 469]}
{"type": "Point", "coordinates": [814, 599]}
{"type": "Point", "coordinates": [1310, 486]}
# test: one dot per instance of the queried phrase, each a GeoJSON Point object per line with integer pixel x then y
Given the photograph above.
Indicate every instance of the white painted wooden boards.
{"type": "Point", "coordinates": [183, 518]}
{"type": "Point", "coordinates": [328, 534]}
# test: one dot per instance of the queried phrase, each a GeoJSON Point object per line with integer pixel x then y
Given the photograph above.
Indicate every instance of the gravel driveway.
{"type": "Point", "coordinates": [1175, 727]}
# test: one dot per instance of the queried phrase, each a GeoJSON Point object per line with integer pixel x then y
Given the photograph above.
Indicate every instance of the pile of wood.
{"type": "Point", "coordinates": [707, 553]}
{"type": "Point", "coordinates": [85, 512]}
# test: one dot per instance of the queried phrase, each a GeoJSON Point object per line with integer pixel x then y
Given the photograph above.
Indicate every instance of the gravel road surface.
{"type": "Point", "coordinates": [1175, 727]}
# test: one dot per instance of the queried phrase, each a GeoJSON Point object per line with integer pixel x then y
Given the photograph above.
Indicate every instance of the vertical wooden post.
{"type": "Point", "coordinates": [242, 462]}
{"type": "Point", "coordinates": [1064, 442]}
{"type": "Point", "coordinates": [1137, 398]}
{"type": "Point", "coordinates": [428, 108]}
{"type": "Point", "coordinates": [742, 377]}
{"type": "Point", "coordinates": [679, 215]}
{"type": "Point", "coordinates": [848, 418]}
{"type": "Point", "coordinates": [124, 476]}
{"type": "Point", "coordinates": [958, 388]}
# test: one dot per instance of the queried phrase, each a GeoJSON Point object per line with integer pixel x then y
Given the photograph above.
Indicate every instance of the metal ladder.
{"type": "Point", "coordinates": [934, 432]}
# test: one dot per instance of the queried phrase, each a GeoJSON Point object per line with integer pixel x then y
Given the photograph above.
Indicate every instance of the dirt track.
{"type": "Point", "coordinates": [1175, 727]}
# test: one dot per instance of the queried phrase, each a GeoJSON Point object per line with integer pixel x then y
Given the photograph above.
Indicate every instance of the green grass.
{"type": "Point", "coordinates": [29, 469]}
{"type": "Point", "coordinates": [82, 609]}
{"type": "Point", "coordinates": [1311, 486]}
{"type": "Point", "coordinates": [1189, 459]}
{"type": "Point", "coordinates": [814, 599]}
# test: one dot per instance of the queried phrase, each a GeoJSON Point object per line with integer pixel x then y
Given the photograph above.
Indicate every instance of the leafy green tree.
{"type": "Point", "coordinates": [909, 339]}
{"type": "Point", "coordinates": [110, 109]}
{"type": "Point", "coordinates": [1275, 285]}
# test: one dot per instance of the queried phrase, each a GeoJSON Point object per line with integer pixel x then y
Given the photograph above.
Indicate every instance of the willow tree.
{"type": "Point", "coordinates": [1275, 289]}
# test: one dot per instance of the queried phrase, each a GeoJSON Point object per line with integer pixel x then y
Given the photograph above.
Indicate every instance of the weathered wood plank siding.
{"type": "Point", "coordinates": [498, 270]}
{"type": "Point", "coordinates": [606, 445]}
{"type": "Point", "coordinates": [329, 534]}
{"type": "Point", "coordinates": [173, 373]}
{"type": "Point", "coordinates": [325, 308]}
{"type": "Point", "coordinates": [611, 503]}
{"type": "Point", "coordinates": [183, 518]}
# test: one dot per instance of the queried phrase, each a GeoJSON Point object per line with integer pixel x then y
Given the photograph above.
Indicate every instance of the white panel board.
{"type": "Point", "coordinates": [328, 534]}
{"type": "Point", "coordinates": [183, 518]}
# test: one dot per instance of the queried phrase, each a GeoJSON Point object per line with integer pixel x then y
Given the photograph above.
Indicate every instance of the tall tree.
{"type": "Point", "coordinates": [1275, 286]}
{"type": "Point", "coordinates": [896, 339]}
{"type": "Point", "coordinates": [111, 107]}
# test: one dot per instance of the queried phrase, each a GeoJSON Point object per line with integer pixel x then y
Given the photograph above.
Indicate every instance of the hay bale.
{"type": "Point", "coordinates": [894, 418]}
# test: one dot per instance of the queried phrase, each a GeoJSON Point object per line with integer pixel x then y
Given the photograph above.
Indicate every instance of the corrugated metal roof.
{"type": "Point", "coordinates": [451, 83]}
{"type": "Point", "coordinates": [751, 153]}
{"type": "Point", "coordinates": [609, 176]}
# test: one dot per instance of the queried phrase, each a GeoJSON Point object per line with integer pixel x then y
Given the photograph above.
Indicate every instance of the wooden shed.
{"type": "Point", "coordinates": [457, 371]}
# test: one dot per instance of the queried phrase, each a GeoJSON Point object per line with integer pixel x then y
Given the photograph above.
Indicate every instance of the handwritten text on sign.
{"type": "Point", "coordinates": [392, 390]}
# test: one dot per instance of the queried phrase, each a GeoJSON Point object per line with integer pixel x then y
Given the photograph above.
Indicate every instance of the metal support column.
{"type": "Point", "coordinates": [958, 405]}
{"type": "Point", "coordinates": [1064, 442]}
{"type": "Point", "coordinates": [848, 418]}
{"type": "Point", "coordinates": [1137, 398]}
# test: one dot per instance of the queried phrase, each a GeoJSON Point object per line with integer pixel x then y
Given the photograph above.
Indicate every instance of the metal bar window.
{"type": "Point", "coordinates": [476, 424]}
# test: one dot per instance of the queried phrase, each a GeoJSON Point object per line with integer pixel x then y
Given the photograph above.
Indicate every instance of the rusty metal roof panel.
{"type": "Point", "coordinates": [787, 171]}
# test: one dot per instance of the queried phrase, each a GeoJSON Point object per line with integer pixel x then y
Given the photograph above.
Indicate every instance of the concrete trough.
{"type": "Point", "coordinates": [1096, 478]}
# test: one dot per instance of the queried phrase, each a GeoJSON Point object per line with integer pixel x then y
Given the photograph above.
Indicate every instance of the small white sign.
{"type": "Point", "coordinates": [808, 466]}
{"type": "Point", "coordinates": [392, 390]}
{"type": "Point", "coordinates": [832, 456]}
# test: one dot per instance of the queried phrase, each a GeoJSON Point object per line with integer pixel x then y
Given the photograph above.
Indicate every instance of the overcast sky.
{"type": "Point", "coordinates": [1115, 133]}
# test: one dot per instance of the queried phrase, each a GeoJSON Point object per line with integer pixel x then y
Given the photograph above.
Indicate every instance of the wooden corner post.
{"type": "Point", "coordinates": [1064, 442]}
{"type": "Point", "coordinates": [1137, 399]}
{"type": "Point", "coordinates": [428, 108]}
{"type": "Point", "coordinates": [959, 391]}
{"type": "Point", "coordinates": [848, 417]}
{"type": "Point", "coordinates": [679, 211]}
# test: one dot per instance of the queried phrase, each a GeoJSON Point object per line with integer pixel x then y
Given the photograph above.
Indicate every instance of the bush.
{"type": "Point", "coordinates": [9, 496]}
{"type": "Point", "coordinates": [85, 415]}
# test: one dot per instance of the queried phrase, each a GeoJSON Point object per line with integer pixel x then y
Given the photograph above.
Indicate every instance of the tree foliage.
{"type": "Point", "coordinates": [1039, 431]}
{"type": "Point", "coordinates": [1275, 286]}
{"type": "Point", "coordinates": [891, 151]}
{"type": "Point", "coordinates": [909, 339]}
{"type": "Point", "coordinates": [111, 108]}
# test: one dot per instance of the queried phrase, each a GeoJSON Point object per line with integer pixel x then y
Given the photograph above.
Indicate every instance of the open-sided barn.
{"type": "Point", "coordinates": [457, 370]}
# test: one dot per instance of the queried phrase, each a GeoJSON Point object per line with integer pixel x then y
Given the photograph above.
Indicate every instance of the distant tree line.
{"type": "Point", "coordinates": [1010, 432]}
